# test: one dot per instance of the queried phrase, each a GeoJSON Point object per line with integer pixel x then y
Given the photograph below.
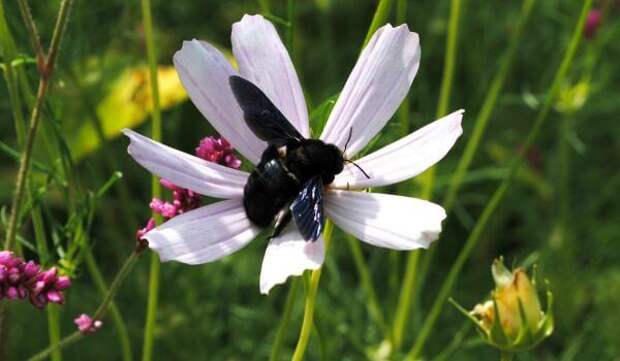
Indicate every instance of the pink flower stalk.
{"type": "Point", "coordinates": [87, 325]}
{"type": "Point", "coordinates": [19, 279]}
{"type": "Point", "coordinates": [377, 85]}
{"type": "Point", "coordinates": [593, 22]}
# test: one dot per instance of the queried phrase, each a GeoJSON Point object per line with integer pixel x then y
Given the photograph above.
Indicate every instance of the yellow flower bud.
{"type": "Point", "coordinates": [513, 288]}
{"type": "Point", "coordinates": [512, 320]}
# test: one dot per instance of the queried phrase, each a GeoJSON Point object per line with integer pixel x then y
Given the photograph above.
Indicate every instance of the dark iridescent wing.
{"type": "Point", "coordinates": [263, 118]}
{"type": "Point", "coordinates": [307, 209]}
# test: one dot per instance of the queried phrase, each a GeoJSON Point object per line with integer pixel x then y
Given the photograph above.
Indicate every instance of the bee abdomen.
{"type": "Point", "coordinates": [270, 188]}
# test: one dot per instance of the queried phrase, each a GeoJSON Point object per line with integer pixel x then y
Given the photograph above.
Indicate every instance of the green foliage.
{"type": "Point", "coordinates": [562, 211]}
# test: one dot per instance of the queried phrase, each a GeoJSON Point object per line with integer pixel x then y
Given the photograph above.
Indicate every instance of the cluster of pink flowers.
{"type": "Point", "coordinates": [218, 150]}
{"type": "Point", "coordinates": [183, 200]}
{"type": "Point", "coordinates": [212, 149]}
{"type": "Point", "coordinates": [20, 279]}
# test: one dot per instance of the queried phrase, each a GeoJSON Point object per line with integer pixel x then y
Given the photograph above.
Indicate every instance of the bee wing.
{"type": "Point", "coordinates": [307, 209]}
{"type": "Point", "coordinates": [261, 115]}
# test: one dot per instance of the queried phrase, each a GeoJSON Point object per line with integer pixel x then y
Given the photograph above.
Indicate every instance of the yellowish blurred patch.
{"type": "Point", "coordinates": [128, 104]}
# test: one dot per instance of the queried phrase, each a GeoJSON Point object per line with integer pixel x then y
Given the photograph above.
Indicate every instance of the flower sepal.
{"type": "Point", "coordinates": [512, 320]}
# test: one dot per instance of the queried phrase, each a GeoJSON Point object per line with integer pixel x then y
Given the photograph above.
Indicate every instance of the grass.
{"type": "Point", "coordinates": [560, 212]}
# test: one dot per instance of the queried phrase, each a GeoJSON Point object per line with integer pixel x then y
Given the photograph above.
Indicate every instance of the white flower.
{"type": "Point", "coordinates": [377, 85]}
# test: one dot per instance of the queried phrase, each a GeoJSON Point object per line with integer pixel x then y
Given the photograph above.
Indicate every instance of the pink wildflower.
{"type": "Point", "coordinates": [87, 325]}
{"type": "Point", "coordinates": [218, 150]}
{"type": "Point", "coordinates": [20, 279]}
{"type": "Point", "coordinates": [212, 149]}
{"type": "Point", "coordinates": [593, 22]}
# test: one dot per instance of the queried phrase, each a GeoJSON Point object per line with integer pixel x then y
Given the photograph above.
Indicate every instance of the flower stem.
{"type": "Point", "coordinates": [290, 30]}
{"type": "Point", "coordinates": [381, 14]}
{"type": "Point", "coordinates": [53, 324]}
{"type": "Point", "coordinates": [286, 319]}
{"type": "Point", "coordinates": [482, 120]}
{"type": "Point", "coordinates": [506, 356]}
{"type": "Point", "coordinates": [428, 178]}
{"type": "Point", "coordinates": [46, 69]}
{"type": "Point", "coordinates": [401, 317]}
{"type": "Point", "coordinates": [101, 310]}
{"type": "Point", "coordinates": [117, 318]}
{"type": "Point", "coordinates": [497, 197]}
{"type": "Point", "coordinates": [362, 269]}
{"type": "Point", "coordinates": [154, 273]}
{"type": "Point", "coordinates": [306, 328]}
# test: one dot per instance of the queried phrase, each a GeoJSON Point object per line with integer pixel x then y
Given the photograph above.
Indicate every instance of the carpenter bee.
{"type": "Point", "coordinates": [289, 179]}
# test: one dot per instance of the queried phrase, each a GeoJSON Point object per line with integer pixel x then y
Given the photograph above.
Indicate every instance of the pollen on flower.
{"type": "Point", "coordinates": [86, 325]}
{"type": "Point", "coordinates": [20, 280]}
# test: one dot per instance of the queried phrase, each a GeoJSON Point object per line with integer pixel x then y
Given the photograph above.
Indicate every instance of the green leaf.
{"type": "Point", "coordinates": [320, 114]}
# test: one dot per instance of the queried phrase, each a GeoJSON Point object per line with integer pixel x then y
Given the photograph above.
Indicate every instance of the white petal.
{"type": "Point", "coordinates": [377, 85]}
{"type": "Point", "coordinates": [203, 235]}
{"type": "Point", "coordinates": [204, 72]}
{"type": "Point", "coordinates": [404, 158]}
{"type": "Point", "coordinates": [289, 255]}
{"type": "Point", "coordinates": [385, 220]}
{"type": "Point", "coordinates": [263, 60]}
{"type": "Point", "coordinates": [184, 170]}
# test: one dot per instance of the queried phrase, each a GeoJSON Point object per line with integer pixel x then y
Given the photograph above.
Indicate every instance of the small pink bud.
{"type": "Point", "coordinates": [62, 283]}
{"type": "Point", "coordinates": [54, 296]}
{"type": "Point", "coordinates": [12, 293]}
{"type": "Point", "coordinates": [31, 269]}
{"type": "Point", "coordinates": [14, 276]}
{"type": "Point", "coordinates": [39, 286]}
{"type": "Point", "coordinates": [593, 22]}
{"type": "Point", "coordinates": [5, 257]}
{"type": "Point", "coordinates": [86, 325]}
{"type": "Point", "coordinates": [149, 225]}
{"type": "Point", "coordinates": [49, 276]}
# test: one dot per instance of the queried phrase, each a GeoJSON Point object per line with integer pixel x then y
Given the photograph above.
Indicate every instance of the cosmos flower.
{"type": "Point", "coordinates": [377, 85]}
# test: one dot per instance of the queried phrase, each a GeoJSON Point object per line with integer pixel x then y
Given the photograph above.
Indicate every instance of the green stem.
{"type": "Point", "coordinates": [401, 11]}
{"type": "Point", "coordinates": [428, 178]}
{"type": "Point", "coordinates": [401, 317]}
{"type": "Point", "coordinates": [362, 269]}
{"type": "Point", "coordinates": [117, 318]}
{"type": "Point", "coordinates": [495, 200]}
{"type": "Point", "coordinates": [381, 14]}
{"type": "Point", "coordinates": [479, 128]}
{"type": "Point", "coordinates": [101, 310]}
{"type": "Point", "coordinates": [306, 328]}
{"type": "Point", "coordinates": [506, 356]}
{"type": "Point", "coordinates": [265, 7]}
{"type": "Point", "coordinates": [286, 319]}
{"type": "Point", "coordinates": [482, 120]}
{"type": "Point", "coordinates": [32, 32]}
{"type": "Point", "coordinates": [53, 323]}
{"type": "Point", "coordinates": [154, 272]}
{"type": "Point", "coordinates": [290, 29]}
{"type": "Point", "coordinates": [45, 73]}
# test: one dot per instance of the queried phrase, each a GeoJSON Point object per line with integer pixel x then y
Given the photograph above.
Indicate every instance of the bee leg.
{"type": "Point", "coordinates": [282, 220]}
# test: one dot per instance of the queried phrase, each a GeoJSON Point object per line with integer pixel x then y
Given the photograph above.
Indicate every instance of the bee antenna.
{"type": "Point", "coordinates": [348, 140]}
{"type": "Point", "coordinates": [358, 167]}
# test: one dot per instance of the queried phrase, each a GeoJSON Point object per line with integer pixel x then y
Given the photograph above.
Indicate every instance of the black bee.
{"type": "Point", "coordinates": [288, 181]}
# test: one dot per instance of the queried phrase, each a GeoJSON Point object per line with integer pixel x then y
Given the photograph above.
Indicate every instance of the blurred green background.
{"type": "Point", "coordinates": [214, 311]}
